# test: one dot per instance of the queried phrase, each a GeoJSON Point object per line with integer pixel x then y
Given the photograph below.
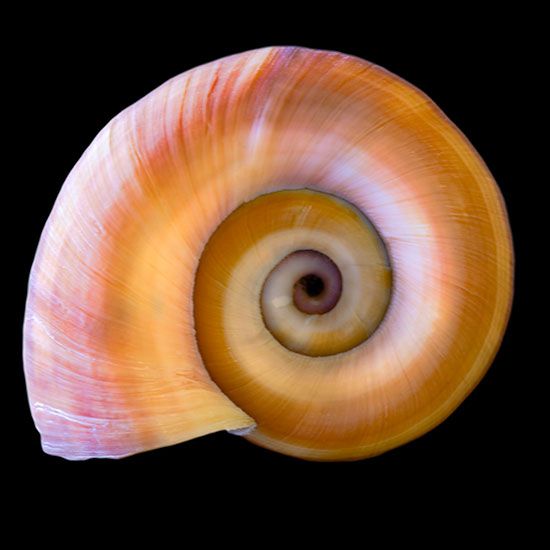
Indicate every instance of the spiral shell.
{"type": "Point", "coordinates": [292, 245]}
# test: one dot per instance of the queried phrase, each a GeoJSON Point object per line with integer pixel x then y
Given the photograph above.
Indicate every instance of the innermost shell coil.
{"type": "Point", "coordinates": [308, 279]}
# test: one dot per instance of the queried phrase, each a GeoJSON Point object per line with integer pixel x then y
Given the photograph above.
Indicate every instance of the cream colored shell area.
{"type": "Point", "coordinates": [351, 315]}
{"type": "Point", "coordinates": [111, 361]}
{"type": "Point", "coordinates": [298, 220]}
{"type": "Point", "coordinates": [366, 286]}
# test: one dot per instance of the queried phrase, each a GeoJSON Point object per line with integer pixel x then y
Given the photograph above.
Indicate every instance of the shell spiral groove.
{"type": "Point", "coordinates": [289, 244]}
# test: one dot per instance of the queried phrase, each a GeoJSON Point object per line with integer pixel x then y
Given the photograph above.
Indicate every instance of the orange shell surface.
{"type": "Point", "coordinates": [111, 357]}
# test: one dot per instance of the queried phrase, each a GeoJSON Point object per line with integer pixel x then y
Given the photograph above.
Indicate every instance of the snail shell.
{"type": "Point", "coordinates": [288, 244]}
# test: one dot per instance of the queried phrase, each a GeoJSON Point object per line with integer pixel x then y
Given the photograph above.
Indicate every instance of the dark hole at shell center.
{"type": "Point", "coordinates": [312, 284]}
{"type": "Point", "coordinates": [318, 291]}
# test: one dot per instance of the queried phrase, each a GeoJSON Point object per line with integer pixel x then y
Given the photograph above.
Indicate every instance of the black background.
{"type": "Point", "coordinates": [74, 78]}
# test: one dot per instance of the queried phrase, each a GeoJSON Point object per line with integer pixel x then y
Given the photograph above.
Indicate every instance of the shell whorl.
{"type": "Point", "coordinates": [133, 342]}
